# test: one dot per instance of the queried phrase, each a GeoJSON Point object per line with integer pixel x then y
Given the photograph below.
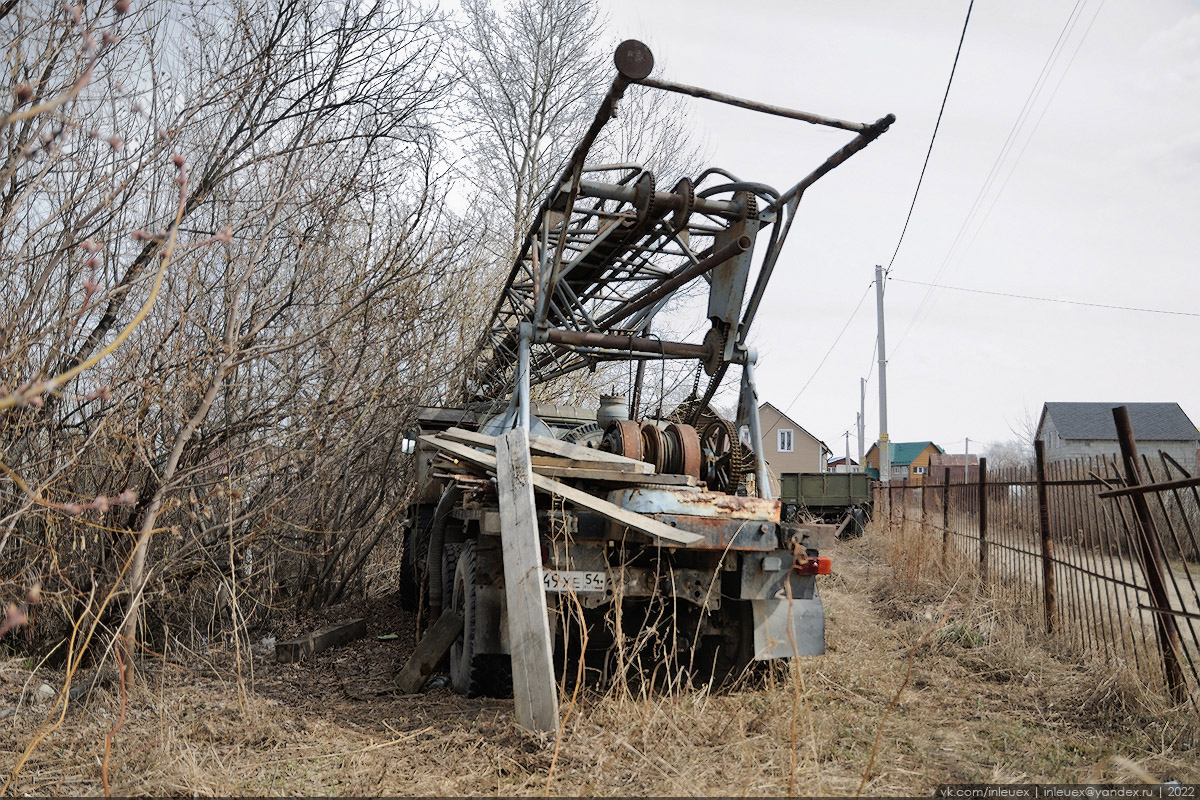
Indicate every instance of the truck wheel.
{"type": "Point", "coordinates": [474, 674]}
{"type": "Point", "coordinates": [858, 522]}
{"type": "Point", "coordinates": [729, 655]}
{"type": "Point", "coordinates": [412, 558]}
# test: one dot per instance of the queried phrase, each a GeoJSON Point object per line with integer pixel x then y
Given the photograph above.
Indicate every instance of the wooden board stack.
{"type": "Point", "coordinates": [554, 459]}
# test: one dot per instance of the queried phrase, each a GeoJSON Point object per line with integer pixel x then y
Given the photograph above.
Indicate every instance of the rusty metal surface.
{"type": "Point", "coordinates": [687, 442]}
{"type": "Point", "coordinates": [723, 534]}
{"type": "Point", "coordinates": [652, 445]}
{"type": "Point", "coordinates": [623, 437]}
{"type": "Point", "coordinates": [1049, 582]}
{"type": "Point", "coordinates": [646, 500]}
{"type": "Point", "coordinates": [634, 60]}
{"type": "Point", "coordinates": [1152, 557]}
{"type": "Point", "coordinates": [1182, 483]}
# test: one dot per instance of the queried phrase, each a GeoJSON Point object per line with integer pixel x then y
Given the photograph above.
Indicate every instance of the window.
{"type": "Point", "coordinates": [784, 443]}
{"type": "Point", "coordinates": [920, 470]}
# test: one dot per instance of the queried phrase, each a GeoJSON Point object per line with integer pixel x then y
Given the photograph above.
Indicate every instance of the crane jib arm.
{"type": "Point", "coordinates": [608, 248]}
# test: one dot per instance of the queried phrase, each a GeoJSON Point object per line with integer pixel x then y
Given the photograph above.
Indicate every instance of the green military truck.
{"type": "Point", "coordinates": [837, 498]}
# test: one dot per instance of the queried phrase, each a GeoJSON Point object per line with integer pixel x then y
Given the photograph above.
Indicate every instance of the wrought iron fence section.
{"type": "Point", "coordinates": [1109, 555]}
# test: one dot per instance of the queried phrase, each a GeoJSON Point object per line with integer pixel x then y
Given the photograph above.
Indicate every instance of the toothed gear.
{"type": "Point", "coordinates": [715, 340]}
{"type": "Point", "coordinates": [643, 199]}
{"type": "Point", "coordinates": [679, 220]}
{"type": "Point", "coordinates": [589, 435]}
{"type": "Point", "coordinates": [722, 451]}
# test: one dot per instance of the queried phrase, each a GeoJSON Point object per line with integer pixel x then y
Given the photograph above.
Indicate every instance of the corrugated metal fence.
{"type": "Point", "coordinates": [1108, 547]}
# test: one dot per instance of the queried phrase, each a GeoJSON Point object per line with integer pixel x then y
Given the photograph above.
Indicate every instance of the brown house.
{"type": "Point", "coordinates": [789, 448]}
{"type": "Point", "coordinates": [955, 463]}
{"type": "Point", "coordinates": [909, 460]}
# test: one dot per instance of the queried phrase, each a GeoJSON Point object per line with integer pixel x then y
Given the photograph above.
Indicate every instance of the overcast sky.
{"type": "Point", "coordinates": [1095, 202]}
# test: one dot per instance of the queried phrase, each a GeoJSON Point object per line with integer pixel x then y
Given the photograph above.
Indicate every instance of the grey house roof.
{"type": "Point", "coordinates": [1161, 422]}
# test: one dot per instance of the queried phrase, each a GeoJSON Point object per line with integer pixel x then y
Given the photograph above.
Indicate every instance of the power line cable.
{"type": "Point", "coordinates": [933, 138]}
{"type": "Point", "coordinates": [831, 347]}
{"type": "Point", "coordinates": [1053, 299]}
{"type": "Point", "coordinates": [1012, 169]}
{"type": "Point", "coordinates": [1014, 131]}
{"type": "Point", "coordinates": [1005, 149]}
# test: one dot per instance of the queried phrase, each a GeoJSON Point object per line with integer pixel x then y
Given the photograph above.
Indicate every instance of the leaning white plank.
{"type": "Point", "coordinates": [604, 508]}
{"type": "Point", "coordinates": [535, 694]}
{"type": "Point", "coordinates": [622, 516]}
{"type": "Point", "coordinates": [555, 447]}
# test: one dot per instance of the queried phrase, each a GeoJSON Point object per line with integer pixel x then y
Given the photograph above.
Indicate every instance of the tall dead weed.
{"type": "Point", "coordinates": [987, 698]}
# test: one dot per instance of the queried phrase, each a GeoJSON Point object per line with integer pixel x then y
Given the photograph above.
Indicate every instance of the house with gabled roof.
{"type": "Point", "coordinates": [1074, 430]}
{"type": "Point", "coordinates": [909, 460]}
{"type": "Point", "coordinates": [840, 464]}
{"type": "Point", "coordinates": [789, 447]}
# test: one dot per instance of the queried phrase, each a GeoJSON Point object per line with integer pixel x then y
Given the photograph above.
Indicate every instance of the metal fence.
{"type": "Point", "coordinates": [1108, 547]}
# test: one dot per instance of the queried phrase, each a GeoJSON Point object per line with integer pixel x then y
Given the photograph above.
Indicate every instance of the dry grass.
{"type": "Point", "coordinates": [986, 700]}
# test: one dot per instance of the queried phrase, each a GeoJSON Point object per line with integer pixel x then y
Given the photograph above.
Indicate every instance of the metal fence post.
{"type": "Point", "coordinates": [904, 502]}
{"type": "Point", "coordinates": [945, 515]}
{"type": "Point", "coordinates": [924, 506]}
{"type": "Point", "coordinates": [1152, 559]}
{"type": "Point", "coordinates": [983, 553]}
{"type": "Point", "coordinates": [1049, 590]}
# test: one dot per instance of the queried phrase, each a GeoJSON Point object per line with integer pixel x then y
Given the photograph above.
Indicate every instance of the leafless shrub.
{"type": "Point", "coordinates": [232, 278]}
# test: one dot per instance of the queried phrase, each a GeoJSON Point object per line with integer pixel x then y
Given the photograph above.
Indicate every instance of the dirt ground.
{"type": "Point", "coordinates": [985, 701]}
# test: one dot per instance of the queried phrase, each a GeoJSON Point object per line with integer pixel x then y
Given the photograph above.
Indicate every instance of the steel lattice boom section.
{"type": "Point", "coordinates": [608, 250]}
{"type": "Point", "coordinates": [621, 242]}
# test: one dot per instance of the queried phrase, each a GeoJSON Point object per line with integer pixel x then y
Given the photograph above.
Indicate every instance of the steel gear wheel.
{"type": "Point", "coordinates": [722, 452]}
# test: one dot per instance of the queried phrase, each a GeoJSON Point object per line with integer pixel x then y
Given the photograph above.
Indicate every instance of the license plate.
{"type": "Point", "coordinates": [571, 580]}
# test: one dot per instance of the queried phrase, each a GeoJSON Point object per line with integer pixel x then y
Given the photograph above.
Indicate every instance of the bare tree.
{"type": "Point", "coordinates": [531, 74]}
{"type": "Point", "coordinates": [233, 281]}
{"type": "Point", "coordinates": [529, 80]}
{"type": "Point", "coordinates": [1018, 451]}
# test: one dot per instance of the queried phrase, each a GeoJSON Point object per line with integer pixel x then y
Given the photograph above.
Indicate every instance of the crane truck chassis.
{"type": "Point", "coordinates": [661, 547]}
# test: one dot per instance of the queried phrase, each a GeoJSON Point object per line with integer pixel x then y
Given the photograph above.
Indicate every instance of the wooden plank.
{"type": "Point", "coordinates": [614, 476]}
{"type": "Point", "coordinates": [560, 461]}
{"type": "Point", "coordinates": [429, 651]}
{"type": "Point", "coordinates": [535, 694]}
{"type": "Point", "coordinates": [621, 516]}
{"type": "Point", "coordinates": [602, 507]}
{"type": "Point", "coordinates": [557, 447]}
{"type": "Point", "coordinates": [554, 447]}
{"type": "Point", "coordinates": [848, 519]}
{"type": "Point", "coordinates": [323, 639]}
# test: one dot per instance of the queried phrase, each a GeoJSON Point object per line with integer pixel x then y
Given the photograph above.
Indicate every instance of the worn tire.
{"type": "Point", "coordinates": [471, 673]}
{"type": "Point", "coordinates": [858, 523]}
{"type": "Point", "coordinates": [726, 658]}
{"type": "Point", "coordinates": [412, 559]}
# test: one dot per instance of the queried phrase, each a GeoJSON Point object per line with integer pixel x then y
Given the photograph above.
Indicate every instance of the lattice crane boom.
{"type": "Point", "coordinates": [608, 249]}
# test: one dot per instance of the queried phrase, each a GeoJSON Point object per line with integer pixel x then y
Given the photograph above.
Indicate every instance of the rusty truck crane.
{"type": "Point", "coordinates": [630, 510]}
